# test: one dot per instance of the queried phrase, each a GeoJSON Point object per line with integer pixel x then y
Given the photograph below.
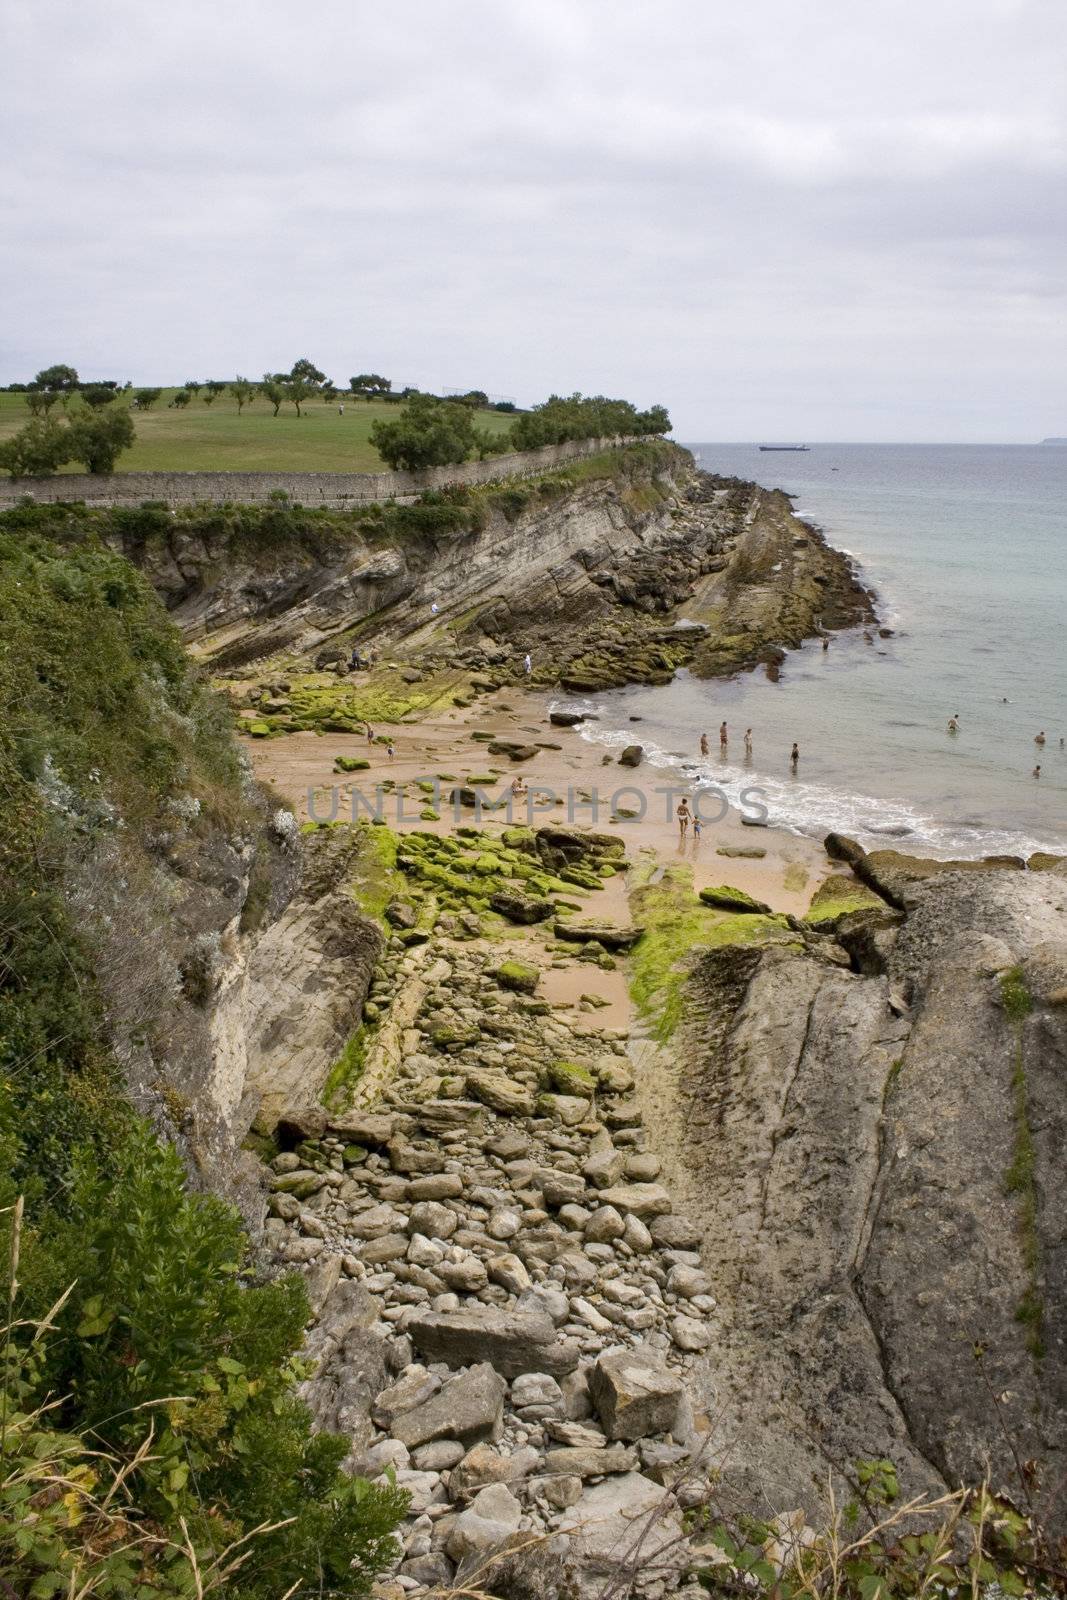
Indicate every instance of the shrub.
{"type": "Point", "coordinates": [427, 433]}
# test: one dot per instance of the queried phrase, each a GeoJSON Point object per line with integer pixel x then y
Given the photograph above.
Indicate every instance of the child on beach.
{"type": "Point", "coordinates": [697, 825]}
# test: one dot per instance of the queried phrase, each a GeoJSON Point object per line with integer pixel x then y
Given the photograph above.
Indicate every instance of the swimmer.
{"type": "Point", "coordinates": [705, 748]}
{"type": "Point", "coordinates": [794, 756]}
{"type": "Point", "coordinates": [953, 725]}
{"type": "Point", "coordinates": [1039, 738]}
{"type": "Point", "coordinates": [1037, 770]}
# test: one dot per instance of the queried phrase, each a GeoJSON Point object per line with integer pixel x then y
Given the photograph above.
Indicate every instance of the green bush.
{"type": "Point", "coordinates": [164, 1325]}
{"type": "Point", "coordinates": [427, 433]}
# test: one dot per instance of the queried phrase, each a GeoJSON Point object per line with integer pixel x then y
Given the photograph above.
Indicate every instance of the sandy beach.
{"type": "Point", "coordinates": [561, 781]}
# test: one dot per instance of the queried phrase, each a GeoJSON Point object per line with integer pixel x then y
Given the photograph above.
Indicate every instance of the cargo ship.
{"type": "Point", "coordinates": [784, 447]}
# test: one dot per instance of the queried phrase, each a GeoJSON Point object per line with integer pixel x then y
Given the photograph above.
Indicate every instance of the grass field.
{"type": "Point", "coordinates": [216, 439]}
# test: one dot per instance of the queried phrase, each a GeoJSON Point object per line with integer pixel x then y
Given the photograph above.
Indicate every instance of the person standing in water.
{"type": "Point", "coordinates": [705, 748]}
{"type": "Point", "coordinates": [794, 756]}
{"type": "Point", "coordinates": [723, 737]}
{"type": "Point", "coordinates": [748, 744]}
{"type": "Point", "coordinates": [683, 814]}
{"type": "Point", "coordinates": [1037, 770]}
{"type": "Point", "coordinates": [953, 725]}
{"type": "Point", "coordinates": [1039, 738]}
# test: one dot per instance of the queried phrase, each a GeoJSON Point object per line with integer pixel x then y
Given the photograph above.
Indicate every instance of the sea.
{"type": "Point", "coordinates": [965, 548]}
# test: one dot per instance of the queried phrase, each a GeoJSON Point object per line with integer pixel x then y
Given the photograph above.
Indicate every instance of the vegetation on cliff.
{"type": "Point", "coordinates": [151, 1441]}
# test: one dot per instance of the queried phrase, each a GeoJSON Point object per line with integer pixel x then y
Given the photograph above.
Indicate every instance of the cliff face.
{"type": "Point", "coordinates": [876, 1152]}
{"type": "Point", "coordinates": [585, 569]}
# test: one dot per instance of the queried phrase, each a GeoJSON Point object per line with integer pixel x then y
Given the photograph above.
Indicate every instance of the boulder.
{"type": "Point", "coordinates": [512, 749]}
{"type": "Point", "coordinates": [501, 1093]}
{"type": "Point", "coordinates": [638, 1199]}
{"type": "Point", "coordinates": [839, 847]}
{"type": "Point", "coordinates": [520, 976]}
{"type": "Point", "coordinates": [492, 1515]}
{"type": "Point", "coordinates": [514, 1341]}
{"type": "Point", "coordinates": [363, 1127]}
{"type": "Point", "coordinates": [566, 719]}
{"type": "Point", "coordinates": [725, 898]}
{"type": "Point", "coordinates": [612, 1520]}
{"type": "Point", "coordinates": [675, 1233]}
{"type": "Point", "coordinates": [483, 1464]}
{"type": "Point", "coordinates": [611, 937]}
{"type": "Point", "coordinates": [520, 908]}
{"type": "Point", "coordinates": [467, 1407]}
{"type": "Point", "coordinates": [588, 1461]}
{"type": "Point", "coordinates": [568, 1077]}
{"type": "Point", "coordinates": [634, 1395]}
{"type": "Point", "coordinates": [632, 756]}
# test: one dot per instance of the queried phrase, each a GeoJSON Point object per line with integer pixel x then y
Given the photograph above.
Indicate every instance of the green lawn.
{"type": "Point", "coordinates": [215, 438]}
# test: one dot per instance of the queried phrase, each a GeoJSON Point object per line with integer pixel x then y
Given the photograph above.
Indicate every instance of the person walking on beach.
{"type": "Point", "coordinates": [389, 750]}
{"type": "Point", "coordinates": [370, 734]}
{"type": "Point", "coordinates": [748, 744]}
{"type": "Point", "coordinates": [723, 737]}
{"type": "Point", "coordinates": [794, 756]}
{"type": "Point", "coordinates": [684, 814]}
{"type": "Point", "coordinates": [697, 826]}
{"type": "Point", "coordinates": [705, 748]}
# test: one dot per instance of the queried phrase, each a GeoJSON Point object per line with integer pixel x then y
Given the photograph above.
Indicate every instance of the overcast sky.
{"type": "Point", "coordinates": [832, 220]}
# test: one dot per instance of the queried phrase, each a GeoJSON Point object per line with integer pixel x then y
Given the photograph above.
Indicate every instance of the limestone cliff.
{"type": "Point", "coordinates": [875, 1146]}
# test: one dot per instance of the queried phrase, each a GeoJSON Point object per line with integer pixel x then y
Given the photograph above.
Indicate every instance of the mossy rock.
{"type": "Point", "coordinates": [725, 898]}
{"type": "Point", "coordinates": [837, 897]}
{"type": "Point", "coordinates": [453, 1037]}
{"type": "Point", "coordinates": [520, 976]}
{"type": "Point", "coordinates": [353, 1155]}
{"type": "Point", "coordinates": [258, 730]}
{"type": "Point", "coordinates": [485, 779]}
{"type": "Point", "coordinates": [350, 764]}
{"type": "Point", "coordinates": [428, 814]}
{"type": "Point", "coordinates": [567, 1077]}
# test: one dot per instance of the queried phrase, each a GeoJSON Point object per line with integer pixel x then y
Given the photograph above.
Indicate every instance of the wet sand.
{"type": "Point", "coordinates": [568, 770]}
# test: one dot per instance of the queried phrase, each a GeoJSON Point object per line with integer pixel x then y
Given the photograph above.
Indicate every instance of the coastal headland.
{"type": "Point", "coordinates": [643, 1185]}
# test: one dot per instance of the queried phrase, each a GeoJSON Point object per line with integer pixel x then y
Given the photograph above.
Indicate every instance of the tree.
{"type": "Point", "coordinates": [58, 377]}
{"type": "Point", "coordinates": [98, 395]}
{"type": "Point", "coordinates": [654, 420]}
{"type": "Point", "coordinates": [98, 440]}
{"type": "Point", "coordinates": [41, 401]}
{"type": "Point", "coordinates": [427, 433]}
{"type": "Point", "coordinates": [180, 400]}
{"type": "Point", "coordinates": [298, 389]}
{"type": "Point", "coordinates": [273, 389]}
{"type": "Point", "coordinates": [145, 399]}
{"type": "Point", "coordinates": [371, 385]}
{"type": "Point", "coordinates": [243, 392]}
{"type": "Point", "coordinates": [36, 450]}
{"type": "Point", "coordinates": [193, 385]}
{"type": "Point", "coordinates": [214, 387]}
{"type": "Point", "coordinates": [307, 372]}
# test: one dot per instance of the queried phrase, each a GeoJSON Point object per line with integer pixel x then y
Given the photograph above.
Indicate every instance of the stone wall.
{"type": "Point", "coordinates": [334, 489]}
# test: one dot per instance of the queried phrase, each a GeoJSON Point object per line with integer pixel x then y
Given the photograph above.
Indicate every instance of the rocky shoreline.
{"type": "Point", "coordinates": [571, 1282]}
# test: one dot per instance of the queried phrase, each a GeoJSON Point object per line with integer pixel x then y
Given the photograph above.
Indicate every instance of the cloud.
{"type": "Point", "coordinates": [757, 215]}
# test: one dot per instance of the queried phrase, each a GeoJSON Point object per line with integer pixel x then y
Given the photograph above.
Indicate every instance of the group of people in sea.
{"type": "Point", "coordinates": [724, 744]}
{"type": "Point", "coordinates": [1039, 738]}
